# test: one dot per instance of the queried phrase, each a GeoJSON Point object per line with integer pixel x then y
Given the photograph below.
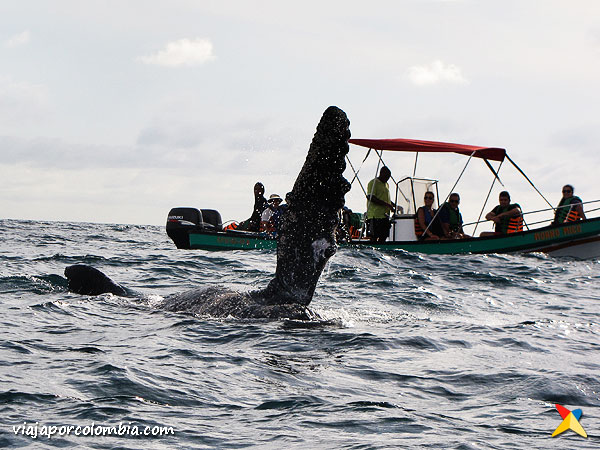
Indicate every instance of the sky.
{"type": "Point", "coordinates": [115, 111]}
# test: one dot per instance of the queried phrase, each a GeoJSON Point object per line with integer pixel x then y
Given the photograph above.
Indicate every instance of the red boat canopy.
{"type": "Point", "coordinates": [412, 145]}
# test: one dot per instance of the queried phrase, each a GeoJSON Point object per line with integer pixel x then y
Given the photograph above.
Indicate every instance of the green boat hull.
{"type": "Point", "coordinates": [547, 239]}
{"type": "Point", "coordinates": [583, 236]}
{"type": "Point", "coordinates": [231, 241]}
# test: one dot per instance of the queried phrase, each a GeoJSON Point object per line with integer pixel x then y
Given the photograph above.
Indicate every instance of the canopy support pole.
{"type": "Point", "coordinates": [415, 169]}
{"type": "Point", "coordinates": [356, 175]}
{"type": "Point", "coordinates": [370, 194]}
{"type": "Point", "coordinates": [490, 191]}
{"type": "Point", "coordinates": [530, 182]}
{"type": "Point", "coordinates": [494, 171]}
{"type": "Point", "coordinates": [360, 167]}
{"type": "Point", "coordinates": [380, 154]}
{"type": "Point", "coordinates": [451, 191]}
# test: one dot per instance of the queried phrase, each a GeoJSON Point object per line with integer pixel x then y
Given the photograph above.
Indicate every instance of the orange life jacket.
{"type": "Point", "coordinates": [566, 214]}
{"type": "Point", "coordinates": [418, 229]}
{"type": "Point", "coordinates": [515, 224]}
{"type": "Point", "coordinates": [231, 226]}
{"type": "Point", "coordinates": [572, 216]}
{"type": "Point", "coordinates": [269, 227]}
{"type": "Point", "coordinates": [354, 232]}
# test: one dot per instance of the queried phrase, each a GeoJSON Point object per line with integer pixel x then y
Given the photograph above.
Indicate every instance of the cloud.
{"type": "Point", "coordinates": [242, 145]}
{"type": "Point", "coordinates": [184, 52]}
{"type": "Point", "coordinates": [21, 101]}
{"type": "Point", "coordinates": [581, 139]}
{"type": "Point", "coordinates": [51, 153]}
{"type": "Point", "coordinates": [18, 39]}
{"type": "Point", "coordinates": [435, 73]}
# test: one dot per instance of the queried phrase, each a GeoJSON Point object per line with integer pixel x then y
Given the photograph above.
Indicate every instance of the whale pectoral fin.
{"type": "Point", "coordinates": [86, 280]}
{"type": "Point", "coordinates": [306, 238]}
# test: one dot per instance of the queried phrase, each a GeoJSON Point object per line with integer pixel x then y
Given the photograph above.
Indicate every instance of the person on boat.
{"type": "Point", "coordinates": [343, 233]}
{"type": "Point", "coordinates": [451, 218]}
{"type": "Point", "coordinates": [278, 213]}
{"type": "Point", "coordinates": [427, 225]}
{"type": "Point", "coordinates": [379, 205]}
{"type": "Point", "coordinates": [507, 217]}
{"type": "Point", "coordinates": [260, 204]}
{"type": "Point", "coordinates": [267, 222]}
{"type": "Point", "coordinates": [570, 207]}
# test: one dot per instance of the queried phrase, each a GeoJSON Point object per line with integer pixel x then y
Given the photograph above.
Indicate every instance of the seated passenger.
{"type": "Point", "coordinates": [570, 207]}
{"type": "Point", "coordinates": [507, 217]}
{"type": "Point", "coordinates": [342, 232]}
{"type": "Point", "coordinates": [452, 219]}
{"type": "Point", "coordinates": [424, 228]}
{"type": "Point", "coordinates": [267, 222]}
{"type": "Point", "coordinates": [277, 217]}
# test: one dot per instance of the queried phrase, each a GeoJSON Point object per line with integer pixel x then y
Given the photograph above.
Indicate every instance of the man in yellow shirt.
{"type": "Point", "coordinates": [378, 206]}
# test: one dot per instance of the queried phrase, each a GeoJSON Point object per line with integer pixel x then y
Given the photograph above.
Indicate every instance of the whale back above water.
{"type": "Point", "coordinates": [218, 301]}
{"type": "Point", "coordinates": [87, 280]}
{"type": "Point", "coordinates": [305, 243]}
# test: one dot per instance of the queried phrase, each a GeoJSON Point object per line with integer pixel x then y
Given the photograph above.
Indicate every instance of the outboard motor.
{"type": "Point", "coordinates": [183, 221]}
{"type": "Point", "coordinates": [212, 217]}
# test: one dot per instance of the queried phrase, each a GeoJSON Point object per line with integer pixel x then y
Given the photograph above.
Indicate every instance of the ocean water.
{"type": "Point", "coordinates": [452, 352]}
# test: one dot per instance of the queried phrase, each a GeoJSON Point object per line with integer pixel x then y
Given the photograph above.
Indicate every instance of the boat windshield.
{"type": "Point", "coordinates": [410, 192]}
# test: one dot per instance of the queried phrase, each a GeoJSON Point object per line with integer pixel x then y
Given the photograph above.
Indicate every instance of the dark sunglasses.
{"type": "Point", "coordinates": [428, 198]}
{"type": "Point", "coordinates": [454, 201]}
{"type": "Point", "coordinates": [567, 191]}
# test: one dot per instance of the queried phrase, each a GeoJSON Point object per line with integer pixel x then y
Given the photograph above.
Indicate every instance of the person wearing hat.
{"type": "Point", "coordinates": [266, 220]}
{"type": "Point", "coordinates": [277, 217]}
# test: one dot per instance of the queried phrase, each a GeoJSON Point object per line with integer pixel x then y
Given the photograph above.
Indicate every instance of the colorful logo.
{"type": "Point", "coordinates": [570, 421]}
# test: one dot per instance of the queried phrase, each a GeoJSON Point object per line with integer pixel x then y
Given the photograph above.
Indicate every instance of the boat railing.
{"type": "Point", "coordinates": [540, 211]}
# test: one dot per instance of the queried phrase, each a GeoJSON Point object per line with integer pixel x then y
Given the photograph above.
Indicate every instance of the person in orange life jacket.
{"type": "Point", "coordinates": [502, 214]}
{"type": "Point", "coordinates": [570, 207]}
{"type": "Point", "coordinates": [451, 218]}
{"type": "Point", "coordinates": [266, 220]}
{"type": "Point", "coordinates": [425, 215]}
{"type": "Point", "coordinates": [379, 205]}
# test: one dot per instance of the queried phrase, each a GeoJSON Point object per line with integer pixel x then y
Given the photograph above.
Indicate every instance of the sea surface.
{"type": "Point", "coordinates": [448, 352]}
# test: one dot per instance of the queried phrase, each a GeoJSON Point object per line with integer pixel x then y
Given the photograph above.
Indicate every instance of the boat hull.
{"type": "Point", "coordinates": [231, 241]}
{"type": "Point", "coordinates": [577, 239]}
{"type": "Point", "coordinates": [580, 237]}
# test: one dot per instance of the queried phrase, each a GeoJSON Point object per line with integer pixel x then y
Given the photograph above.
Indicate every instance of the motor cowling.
{"type": "Point", "coordinates": [183, 220]}
{"type": "Point", "coordinates": [211, 217]}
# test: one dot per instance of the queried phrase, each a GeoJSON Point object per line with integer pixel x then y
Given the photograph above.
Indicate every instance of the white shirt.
{"type": "Point", "coordinates": [266, 215]}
